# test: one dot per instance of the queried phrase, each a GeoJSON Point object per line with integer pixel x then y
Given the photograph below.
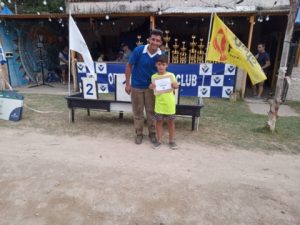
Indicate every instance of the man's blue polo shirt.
{"type": "Point", "coordinates": [143, 66]}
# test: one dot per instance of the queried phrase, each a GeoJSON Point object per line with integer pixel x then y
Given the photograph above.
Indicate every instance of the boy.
{"type": "Point", "coordinates": [165, 105]}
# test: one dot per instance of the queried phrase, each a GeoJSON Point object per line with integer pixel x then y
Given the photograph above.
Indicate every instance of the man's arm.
{"type": "Point", "coordinates": [268, 63]}
{"type": "Point", "coordinates": [127, 75]}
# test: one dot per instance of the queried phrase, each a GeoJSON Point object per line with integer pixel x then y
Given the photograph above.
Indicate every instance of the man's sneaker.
{"type": "Point", "coordinates": [153, 138]}
{"type": "Point", "coordinates": [156, 145]}
{"type": "Point", "coordinates": [173, 145]}
{"type": "Point", "coordinates": [139, 139]}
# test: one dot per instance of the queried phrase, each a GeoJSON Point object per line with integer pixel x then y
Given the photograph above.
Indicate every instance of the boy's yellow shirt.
{"type": "Point", "coordinates": [165, 102]}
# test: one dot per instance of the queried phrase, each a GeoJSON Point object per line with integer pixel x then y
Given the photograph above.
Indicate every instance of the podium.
{"type": "Point", "coordinates": [11, 105]}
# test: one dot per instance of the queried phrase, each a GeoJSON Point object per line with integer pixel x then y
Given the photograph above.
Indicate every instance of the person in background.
{"type": "Point", "coordinates": [138, 72]}
{"type": "Point", "coordinates": [263, 59]}
{"type": "Point", "coordinates": [63, 63]}
{"type": "Point", "coordinates": [126, 53]}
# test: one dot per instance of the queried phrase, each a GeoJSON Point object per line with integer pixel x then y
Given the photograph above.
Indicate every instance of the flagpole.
{"type": "Point", "coordinates": [200, 100]}
{"type": "Point", "coordinates": [69, 57]}
{"type": "Point", "coordinates": [209, 33]}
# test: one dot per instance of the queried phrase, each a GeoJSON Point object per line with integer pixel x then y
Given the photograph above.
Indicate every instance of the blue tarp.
{"type": "Point", "coordinates": [297, 21]}
{"type": "Point", "coordinates": [6, 11]}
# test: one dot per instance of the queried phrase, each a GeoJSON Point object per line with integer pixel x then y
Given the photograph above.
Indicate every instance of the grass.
{"type": "Point", "coordinates": [222, 123]}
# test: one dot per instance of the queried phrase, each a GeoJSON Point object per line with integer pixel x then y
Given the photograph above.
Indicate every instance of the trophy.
{"type": "Point", "coordinates": [139, 40]}
{"type": "Point", "coordinates": [182, 54]}
{"type": "Point", "coordinates": [175, 52]}
{"type": "Point", "coordinates": [192, 51]}
{"type": "Point", "coordinates": [167, 38]}
{"type": "Point", "coordinates": [200, 53]}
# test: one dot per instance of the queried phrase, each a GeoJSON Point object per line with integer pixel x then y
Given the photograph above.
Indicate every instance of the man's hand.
{"type": "Point", "coordinates": [152, 86]}
{"type": "Point", "coordinates": [128, 89]}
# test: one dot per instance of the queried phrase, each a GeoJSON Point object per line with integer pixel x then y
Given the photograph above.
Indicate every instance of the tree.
{"type": "Point", "coordinates": [275, 103]}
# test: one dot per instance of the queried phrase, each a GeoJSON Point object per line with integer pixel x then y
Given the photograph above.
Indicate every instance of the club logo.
{"type": "Point", "coordinates": [103, 88]}
{"type": "Point", "coordinates": [228, 91]}
{"type": "Point", "coordinates": [220, 43]}
{"type": "Point", "coordinates": [101, 67]}
{"type": "Point", "coordinates": [217, 80]}
{"type": "Point", "coordinates": [204, 91]}
{"type": "Point", "coordinates": [80, 67]}
{"type": "Point", "coordinates": [205, 68]}
{"type": "Point", "coordinates": [231, 69]}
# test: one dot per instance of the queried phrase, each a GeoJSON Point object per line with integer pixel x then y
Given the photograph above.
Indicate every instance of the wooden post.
{"type": "Point", "coordinates": [152, 22]}
{"type": "Point", "coordinates": [275, 103]}
{"type": "Point", "coordinates": [276, 64]}
{"type": "Point", "coordinates": [73, 70]}
{"type": "Point", "coordinates": [4, 74]}
{"type": "Point", "coordinates": [252, 18]}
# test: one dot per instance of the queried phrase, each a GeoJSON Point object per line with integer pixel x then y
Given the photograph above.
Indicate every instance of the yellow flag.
{"type": "Point", "coordinates": [225, 47]}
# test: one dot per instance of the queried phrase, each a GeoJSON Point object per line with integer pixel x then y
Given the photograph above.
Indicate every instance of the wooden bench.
{"type": "Point", "coordinates": [77, 101]}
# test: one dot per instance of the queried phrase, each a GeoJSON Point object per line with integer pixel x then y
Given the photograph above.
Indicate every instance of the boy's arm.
{"type": "Point", "coordinates": [174, 82]}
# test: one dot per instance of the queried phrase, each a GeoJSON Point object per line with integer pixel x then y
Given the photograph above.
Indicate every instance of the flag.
{"type": "Point", "coordinates": [78, 44]}
{"type": "Point", "coordinates": [225, 47]}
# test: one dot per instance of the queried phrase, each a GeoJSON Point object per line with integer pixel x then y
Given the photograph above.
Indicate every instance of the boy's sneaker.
{"type": "Point", "coordinates": [152, 138]}
{"type": "Point", "coordinates": [156, 145]}
{"type": "Point", "coordinates": [173, 145]}
{"type": "Point", "coordinates": [139, 139]}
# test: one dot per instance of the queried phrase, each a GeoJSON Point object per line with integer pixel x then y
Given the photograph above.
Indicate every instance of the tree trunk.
{"type": "Point", "coordinates": [275, 103]}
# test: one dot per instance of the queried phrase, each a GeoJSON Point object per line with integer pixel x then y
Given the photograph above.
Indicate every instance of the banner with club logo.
{"type": "Point", "coordinates": [205, 80]}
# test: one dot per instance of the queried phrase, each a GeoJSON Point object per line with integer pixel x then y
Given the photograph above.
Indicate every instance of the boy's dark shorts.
{"type": "Point", "coordinates": [160, 117]}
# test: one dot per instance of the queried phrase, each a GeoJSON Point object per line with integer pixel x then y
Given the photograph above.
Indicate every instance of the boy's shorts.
{"type": "Point", "coordinates": [160, 117]}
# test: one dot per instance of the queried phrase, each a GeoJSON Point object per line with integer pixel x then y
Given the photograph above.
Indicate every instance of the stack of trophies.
{"type": "Point", "coordinates": [178, 54]}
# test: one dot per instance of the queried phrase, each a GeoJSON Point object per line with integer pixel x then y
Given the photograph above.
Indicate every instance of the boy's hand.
{"type": "Point", "coordinates": [152, 86]}
{"type": "Point", "coordinates": [175, 85]}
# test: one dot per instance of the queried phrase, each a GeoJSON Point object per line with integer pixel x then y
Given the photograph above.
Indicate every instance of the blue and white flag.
{"type": "Point", "coordinates": [77, 44]}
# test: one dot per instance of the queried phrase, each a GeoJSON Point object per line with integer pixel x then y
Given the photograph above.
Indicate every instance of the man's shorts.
{"type": "Point", "coordinates": [160, 117]}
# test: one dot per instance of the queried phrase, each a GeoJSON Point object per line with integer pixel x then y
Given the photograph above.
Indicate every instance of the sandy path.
{"type": "Point", "coordinates": [105, 181]}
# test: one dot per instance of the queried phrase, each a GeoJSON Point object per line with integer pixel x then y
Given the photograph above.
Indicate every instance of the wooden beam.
{"type": "Point", "coordinates": [152, 22]}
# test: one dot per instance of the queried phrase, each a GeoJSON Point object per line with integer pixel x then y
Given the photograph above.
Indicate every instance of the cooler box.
{"type": "Point", "coordinates": [11, 105]}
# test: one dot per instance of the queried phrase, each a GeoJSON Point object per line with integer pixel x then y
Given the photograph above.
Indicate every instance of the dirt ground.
{"type": "Point", "coordinates": [62, 180]}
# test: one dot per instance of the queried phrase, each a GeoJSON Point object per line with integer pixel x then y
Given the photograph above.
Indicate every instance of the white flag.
{"type": "Point", "coordinates": [78, 44]}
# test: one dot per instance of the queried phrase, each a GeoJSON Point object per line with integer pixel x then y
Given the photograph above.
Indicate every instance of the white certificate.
{"type": "Point", "coordinates": [163, 84]}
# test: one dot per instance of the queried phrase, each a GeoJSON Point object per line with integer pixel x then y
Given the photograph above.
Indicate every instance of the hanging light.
{"type": "Point", "coordinates": [267, 18]}
{"type": "Point", "coordinates": [50, 19]}
{"type": "Point", "coordinates": [113, 23]}
{"type": "Point", "coordinates": [101, 23]}
{"type": "Point", "coordinates": [159, 11]}
{"type": "Point", "coordinates": [9, 1]}
{"type": "Point", "coordinates": [107, 17]}
{"type": "Point", "coordinates": [131, 23]}
{"type": "Point", "coordinates": [185, 1]}
{"type": "Point", "coordinates": [186, 22]}
{"type": "Point", "coordinates": [61, 8]}
{"type": "Point", "coordinates": [45, 2]}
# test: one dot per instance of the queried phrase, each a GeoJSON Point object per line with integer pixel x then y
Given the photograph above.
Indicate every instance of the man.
{"type": "Point", "coordinates": [140, 68]}
{"type": "Point", "coordinates": [263, 59]}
